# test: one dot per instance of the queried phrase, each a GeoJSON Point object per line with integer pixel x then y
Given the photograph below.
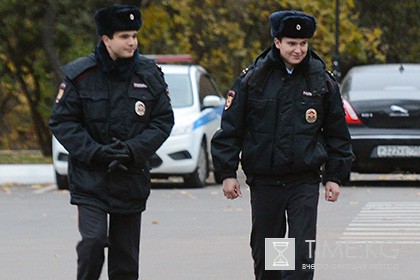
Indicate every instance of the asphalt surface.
{"type": "Point", "coordinates": [372, 232]}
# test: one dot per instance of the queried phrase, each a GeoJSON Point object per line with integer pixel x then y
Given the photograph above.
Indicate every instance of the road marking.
{"type": "Point", "coordinates": [6, 190]}
{"type": "Point", "coordinates": [45, 189]}
{"type": "Point", "coordinates": [378, 242]}
{"type": "Point", "coordinates": [383, 233]}
{"type": "Point", "coordinates": [385, 222]}
{"type": "Point", "coordinates": [383, 229]}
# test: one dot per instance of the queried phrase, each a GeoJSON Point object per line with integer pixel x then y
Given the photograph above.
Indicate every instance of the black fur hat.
{"type": "Point", "coordinates": [117, 18]}
{"type": "Point", "coordinates": [292, 24]}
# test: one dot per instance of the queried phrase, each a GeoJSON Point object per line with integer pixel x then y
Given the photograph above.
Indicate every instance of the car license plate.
{"type": "Point", "coordinates": [398, 151]}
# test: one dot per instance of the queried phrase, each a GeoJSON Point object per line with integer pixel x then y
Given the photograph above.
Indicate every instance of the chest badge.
{"type": "Point", "coordinates": [311, 115]}
{"type": "Point", "coordinates": [140, 108]}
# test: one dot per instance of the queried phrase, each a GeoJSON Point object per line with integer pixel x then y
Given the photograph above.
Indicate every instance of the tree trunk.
{"type": "Point", "coordinates": [33, 97]}
{"type": "Point", "coordinates": [47, 36]}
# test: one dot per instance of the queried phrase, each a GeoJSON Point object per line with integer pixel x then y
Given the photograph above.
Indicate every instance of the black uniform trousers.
{"type": "Point", "coordinates": [122, 240]}
{"type": "Point", "coordinates": [270, 204]}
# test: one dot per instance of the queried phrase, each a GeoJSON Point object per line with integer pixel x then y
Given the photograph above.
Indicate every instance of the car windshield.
{"type": "Point", "coordinates": [179, 90]}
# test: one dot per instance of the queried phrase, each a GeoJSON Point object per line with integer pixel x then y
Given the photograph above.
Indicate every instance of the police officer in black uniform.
{"type": "Point", "coordinates": [284, 120]}
{"type": "Point", "coordinates": [111, 114]}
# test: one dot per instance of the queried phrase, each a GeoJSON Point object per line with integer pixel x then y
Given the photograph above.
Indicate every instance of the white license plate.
{"type": "Point", "coordinates": [398, 151]}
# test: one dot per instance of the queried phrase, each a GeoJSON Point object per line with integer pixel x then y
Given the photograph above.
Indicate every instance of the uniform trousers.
{"type": "Point", "coordinates": [122, 239]}
{"type": "Point", "coordinates": [270, 205]}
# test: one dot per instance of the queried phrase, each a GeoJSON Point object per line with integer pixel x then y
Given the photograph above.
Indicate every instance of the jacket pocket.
{"type": "Point", "coordinates": [129, 186]}
{"type": "Point", "coordinates": [85, 181]}
{"type": "Point", "coordinates": [258, 112]}
{"type": "Point", "coordinates": [311, 155]}
{"type": "Point", "coordinates": [257, 152]}
{"type": "Point", "coordinates": [94, 106]}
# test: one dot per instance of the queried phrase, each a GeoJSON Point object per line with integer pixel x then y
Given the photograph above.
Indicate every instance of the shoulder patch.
{"type": "Point", "coordinates": [60, 93]}
{"type": "Point", "coordinates": [230, 96]}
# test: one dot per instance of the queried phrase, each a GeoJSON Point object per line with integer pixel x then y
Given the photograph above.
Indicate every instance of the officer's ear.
{"type": "Point", "coordinates": [106, 38]}
{"type": "Point", "coordinates": [277, 42]}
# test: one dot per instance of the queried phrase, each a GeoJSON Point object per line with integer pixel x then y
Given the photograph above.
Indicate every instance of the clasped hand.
{"type": "Point", "coordinates": [115, 155]}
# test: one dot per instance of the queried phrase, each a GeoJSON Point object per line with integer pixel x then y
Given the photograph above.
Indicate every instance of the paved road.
{"type": "Point", "coordinates": [372, 232]}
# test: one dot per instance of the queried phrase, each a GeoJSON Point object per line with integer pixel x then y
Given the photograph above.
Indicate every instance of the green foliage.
{"type": "Point", "coordinates": [400, 25]}
{"type": "Point", "coordinates": [38, 36]}
{"type": "Point", "coordinates": [226, 35]}
{"type": "Point", "coordinates": [23, 157]}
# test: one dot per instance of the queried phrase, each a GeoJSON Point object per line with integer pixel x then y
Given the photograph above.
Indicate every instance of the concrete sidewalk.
{"type": "Point", "coordinates": [26, 174]}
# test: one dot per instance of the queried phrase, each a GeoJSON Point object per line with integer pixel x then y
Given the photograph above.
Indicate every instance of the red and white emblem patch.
{"type": "Point", "coordinates": [229, 99]}
{"type": "Point", "coordinates": [60, 93]}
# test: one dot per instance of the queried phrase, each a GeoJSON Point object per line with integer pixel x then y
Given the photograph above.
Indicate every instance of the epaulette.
{"type": "Point", "coordinates": [331, 74]}
{"type": "Point", "coordinates": [330, 80]}
{"type": "Point", "coordinates": [152, 75]}
{"type": "Point", "coordinates": [246, 74]}
{"type": "Point", "coordinates": [245, 71]}
{"type": "Point", "coordinates": [77, 67]}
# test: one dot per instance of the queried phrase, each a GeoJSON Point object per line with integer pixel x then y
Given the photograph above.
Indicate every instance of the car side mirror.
{"type": "Point", "coordinates": [212, 101]}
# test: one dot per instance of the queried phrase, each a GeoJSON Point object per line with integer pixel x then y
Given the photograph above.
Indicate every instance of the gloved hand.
{"type": "Point", "coordinates": [119, 164]}
{"type": "Point", "coordinates": [108, 153]}
{"type": "Point", "coordinates": [116, 165]}
{"type": "Point", "coordinates": [123, 148]}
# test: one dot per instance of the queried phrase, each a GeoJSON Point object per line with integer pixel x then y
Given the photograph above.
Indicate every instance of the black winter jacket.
{"type": "Point", "coordinates": [284, 126]}
{"type": "Point", "coordinates": [95, 107]}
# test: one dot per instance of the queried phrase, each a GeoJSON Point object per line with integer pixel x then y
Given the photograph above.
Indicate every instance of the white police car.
{"type": "Point", "coordinates": [197, 104]}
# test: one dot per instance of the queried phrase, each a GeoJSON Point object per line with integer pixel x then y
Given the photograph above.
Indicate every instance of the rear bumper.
{"type": "Point", "coordinates": [365, 142]}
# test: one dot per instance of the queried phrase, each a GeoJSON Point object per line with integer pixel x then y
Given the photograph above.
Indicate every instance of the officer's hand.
{"type": "Point", "coordinates": [123, 148]}
{"type": "Point", "coordinates": [231, 188]}
{"type": "Point", "coordinates": [107, 153]}
{"type": "Point", "coordinates": [116, 165]}
{"type": "Point", "coordinates": [332, 191]}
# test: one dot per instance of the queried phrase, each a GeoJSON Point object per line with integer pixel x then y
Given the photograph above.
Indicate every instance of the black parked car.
{"type": "Point", "coordinates": [382, 104]}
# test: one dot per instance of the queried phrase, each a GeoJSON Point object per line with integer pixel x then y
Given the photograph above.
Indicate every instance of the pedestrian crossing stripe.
{"type": "Point", "coordinates": [385, 222]}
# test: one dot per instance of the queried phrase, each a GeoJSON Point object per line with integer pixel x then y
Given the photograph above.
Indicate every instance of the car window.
{"type": "Point", "coordinates": [207, 87]}
{"type": "Point", "coordinates": [345, 87]}
{"type": "Point", "coordinates": [382, 86]}
{"type": "Point", "coordinates": [180, 90]}
{"type": "Point", "coordinates": [381, 81]}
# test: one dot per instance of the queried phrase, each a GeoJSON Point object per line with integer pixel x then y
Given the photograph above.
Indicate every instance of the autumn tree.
{"type": "Point", "coordinates": [226, 35]}
{"type": "Point", "coordinates": [400, 24]}
{"type": "Point", "coordinates": [38, 36]}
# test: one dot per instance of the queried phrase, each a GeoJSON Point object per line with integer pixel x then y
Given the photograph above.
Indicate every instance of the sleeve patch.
{"type": "Point", "coordinates": [60, 93]}
{"type": "Point", "coordinates": [229, 99]}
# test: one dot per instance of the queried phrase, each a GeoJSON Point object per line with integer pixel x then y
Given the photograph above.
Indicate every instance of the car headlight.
{"type": "Point", "coordinates": [181, 129]}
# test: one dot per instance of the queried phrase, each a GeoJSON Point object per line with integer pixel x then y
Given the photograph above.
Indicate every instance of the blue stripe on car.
{"type": "Point", "coordinates": [210, 116]}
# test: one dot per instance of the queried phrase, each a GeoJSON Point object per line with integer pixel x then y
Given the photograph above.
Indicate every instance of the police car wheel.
{"type": "Point", "coordinates": [199, 176]}
{"type": "Point", "coordinates": [61, 181]}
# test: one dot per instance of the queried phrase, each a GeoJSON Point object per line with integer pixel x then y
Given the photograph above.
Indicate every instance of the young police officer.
{"type": "Point", "coordinates": [284, 115]}
{"type": "Point", "coordinates": [112, 113]}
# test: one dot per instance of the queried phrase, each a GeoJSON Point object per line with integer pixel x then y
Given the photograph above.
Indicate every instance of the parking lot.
{"type": "Point", "coordinates": [372, 232]}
